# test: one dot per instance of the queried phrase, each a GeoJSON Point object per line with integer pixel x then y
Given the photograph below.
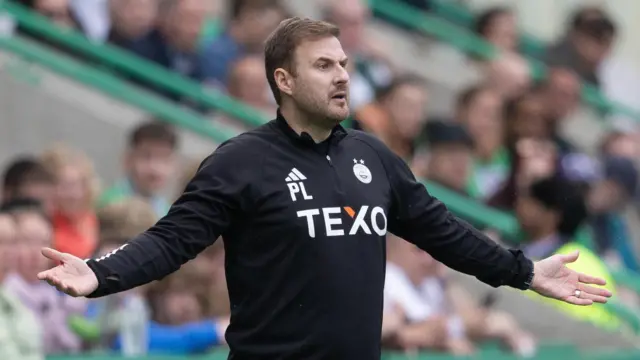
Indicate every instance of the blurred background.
{"type": "Point", "coordinates": [523, 117]}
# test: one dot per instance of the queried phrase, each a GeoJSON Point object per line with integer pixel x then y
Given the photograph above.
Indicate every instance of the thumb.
{"type": "Point", "coordinates": [569, 258]}
{"type": "Point", "coordinates": [54, 255]}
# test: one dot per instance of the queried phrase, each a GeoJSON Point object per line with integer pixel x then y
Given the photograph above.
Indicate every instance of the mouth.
{"type": "Point", "coordinates": [339, 96]}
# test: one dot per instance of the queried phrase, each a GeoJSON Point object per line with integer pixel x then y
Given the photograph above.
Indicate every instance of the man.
{"type": "Point", "coordinates": [149, 162]}
{"type": "Point", "coordinates": [250, 23]}
{"type": "Point", "coordinates": [26, 177]}
{"type": "Point", "coordinates": [447, 156]}
{"type": "Point", "coordinates": [303, 207]}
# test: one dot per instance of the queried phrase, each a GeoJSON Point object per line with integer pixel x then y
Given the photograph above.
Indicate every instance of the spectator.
{"type": "Point", "coordinates": [371, 68]}
{"type": "Point", "coordinates": [58, 11]}
{"type": "Point", "coordinates": [174, 43]}
{"type": "Point", "coordinates": [450, 156]}
{"type": "Point", "coordinates": [26, 177]}
{"type": "Point", "coordinates": [508, 74]}
{"type": "Point", "coordinates": [479, 110]}
{"type": "Point", "coordinates": [620, 144]}
{"type": "Point", "coordinates": [541, 211]}
{"type": "Point", "coordinates": [21, 334]}
{"type": "Point", "coordinates": [531, 159]}
{"type": "Point", "coordinates": [525, 118]}
{"type": "Point", "coordinates": [549, 212]}
{"type": "Point", "coordinates": [250, 23]}
{"type": "Point", "coordinates": [150, 160]}
{"type": "Point", "coordinates": [560, 94]}
{"type": "Point", "coordinates": [397, 115]}
{"type": "Point", "coordinates": [74, 220]}
{"type": "Point", "coordinates": [417, 284]}
{"type": "Point", "coordinates": [606, 200]}
{"type": "Point", "coordinates": [586, 44]}
{"type": "Point", "coordinates": [107, 319]}
{"type": "Point", "coordinates": [248, 83]}
{"type": "Point", "coordinates": [498, 26]}
{"type": "Point", "coordinates": [131, 20]}
{"type": "Point", "coordinates": [51, 308]}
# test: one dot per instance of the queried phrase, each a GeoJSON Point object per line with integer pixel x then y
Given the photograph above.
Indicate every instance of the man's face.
{"type": "Point", "coordinates": [606, 196]}
{"type": "Point", "coordinates": [563, 94]}
{"type": "Point", "coordinates": [450, 165]}
{"type": "Point", "coordinates": [320, 85]}
{"type": "Point", "coordinates": [484, 115]}
{"type": "Point", "coordinates": [184, 23]}
{"type": "Point", "coordinates": [503, 32]}
{"type": "Point", "coordinates": [133, 18]}
{"type": "Point", "coordinates": [258, 24]}
{"type": "Point", "coordinates": [532, 215]}
{"type": "Point", "coordinates": [407, 105]}
{"type": "Point", "coordinates": [248, 82]}
{"type": "Point", "coordinates": [149, 165]}
{"type": "Point", "coordinates": [351, 17]}
{"type": "Point", "coordinates": [593, 50]}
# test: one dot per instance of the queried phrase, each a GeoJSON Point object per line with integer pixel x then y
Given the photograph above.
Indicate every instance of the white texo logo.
{"type": "Point", "coordinates": [364, 220]}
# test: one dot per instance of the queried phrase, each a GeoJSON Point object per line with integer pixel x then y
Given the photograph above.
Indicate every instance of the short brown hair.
{"type": "Point", "coordinates": [156, 131]}
{"type": "Point", "coordinates": [283, 41]}
{"type": "Point", "coordinates": [123, 220]}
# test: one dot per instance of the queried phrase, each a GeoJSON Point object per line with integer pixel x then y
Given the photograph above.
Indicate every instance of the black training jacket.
{"type": "Point", "coordinates": [304, 229]}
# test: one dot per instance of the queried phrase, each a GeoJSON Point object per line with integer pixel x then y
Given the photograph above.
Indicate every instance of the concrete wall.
{"type": "Point", "coordinates": [40, 108]}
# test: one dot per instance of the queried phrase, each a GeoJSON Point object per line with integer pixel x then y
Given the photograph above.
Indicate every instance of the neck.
{"type": "Point", "coordinates": [301, 122]}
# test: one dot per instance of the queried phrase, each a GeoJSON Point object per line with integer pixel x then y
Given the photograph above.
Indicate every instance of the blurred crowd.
{"type": "Point", "coordinates": [501, 145]}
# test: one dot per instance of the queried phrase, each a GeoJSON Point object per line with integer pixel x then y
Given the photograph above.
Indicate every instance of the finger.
{"type": "Point", "coordinates": [588, 279]}
{"type": "Point", "coordinates": [569, 258]}
{"type": "Point", "coordinates": [595, 291]}
{"type": "Point", "coordinates": [578, 301]}
{"type": "Point", "coordinates": [52, 254]}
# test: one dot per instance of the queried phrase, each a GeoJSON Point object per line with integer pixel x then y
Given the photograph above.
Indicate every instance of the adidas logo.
{"type": "Point", "coordinates": [296, 186]}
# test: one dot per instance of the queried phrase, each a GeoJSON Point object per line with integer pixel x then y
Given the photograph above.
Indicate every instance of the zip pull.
{"type": "Point", "coordinates": [329, 160]}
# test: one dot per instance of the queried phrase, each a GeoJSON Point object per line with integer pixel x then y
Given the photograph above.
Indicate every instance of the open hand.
{"type": "Point", "coordinates": [73, 277]}
{"type": "Point", "coordinates": [553, 279]}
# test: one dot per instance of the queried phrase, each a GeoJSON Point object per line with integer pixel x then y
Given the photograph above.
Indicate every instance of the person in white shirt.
{"type": "Point", "coordinates": [416, 286]}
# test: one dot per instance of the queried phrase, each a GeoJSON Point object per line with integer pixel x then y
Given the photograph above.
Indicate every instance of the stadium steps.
{"type": "Point", "coordinates": [40, 108]}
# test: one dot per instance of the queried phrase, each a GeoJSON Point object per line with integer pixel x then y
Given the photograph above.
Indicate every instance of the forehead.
{"type": "Point", "coordinates": [310, 51]}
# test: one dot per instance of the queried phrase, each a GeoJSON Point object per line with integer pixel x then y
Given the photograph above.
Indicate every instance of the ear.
{"type": "Point", "coordinates": [284, 81]}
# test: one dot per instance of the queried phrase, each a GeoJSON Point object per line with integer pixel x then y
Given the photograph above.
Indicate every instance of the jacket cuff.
{"type": "Point", "coordinates": [524, 273]}
{"type": "Point", "coordinates": [102, 280]}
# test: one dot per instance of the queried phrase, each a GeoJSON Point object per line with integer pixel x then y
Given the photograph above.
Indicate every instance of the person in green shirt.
{"type": "Point", "coordinates": [150, 159]}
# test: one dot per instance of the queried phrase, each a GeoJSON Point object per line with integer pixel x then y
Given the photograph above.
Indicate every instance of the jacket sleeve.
{"type": "Point", "coordinates": [423, 220]}
{"type": "Point", "coordinates": [211, 201]}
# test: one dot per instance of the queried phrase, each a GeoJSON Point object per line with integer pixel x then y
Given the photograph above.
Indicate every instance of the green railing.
{"type": "Point", "coordinates": [469, 42]}
{"type": "Point", "coordinates": [460, 15]}
{"type": "Point", "coordinates": [112, 86]}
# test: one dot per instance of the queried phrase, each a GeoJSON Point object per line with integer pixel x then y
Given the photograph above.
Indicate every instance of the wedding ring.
{"type": "Point", "coordinates": [577, 293]}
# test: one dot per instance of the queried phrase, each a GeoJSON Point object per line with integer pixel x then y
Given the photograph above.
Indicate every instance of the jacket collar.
{"type": "Point", "coordinates": [337, 133]}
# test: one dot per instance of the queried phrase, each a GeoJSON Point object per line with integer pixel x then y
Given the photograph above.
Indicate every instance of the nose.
{"type": "Point", "coordinates": [342, 78]}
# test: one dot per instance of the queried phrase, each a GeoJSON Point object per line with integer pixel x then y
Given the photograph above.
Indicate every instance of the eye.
{"type": "Point", "coordinates": [323, 66]}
